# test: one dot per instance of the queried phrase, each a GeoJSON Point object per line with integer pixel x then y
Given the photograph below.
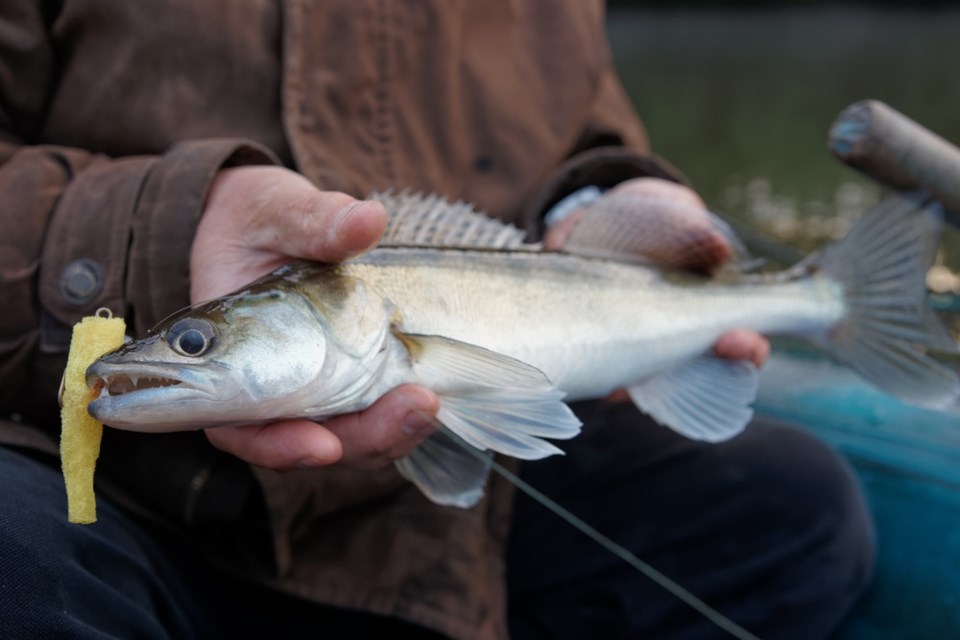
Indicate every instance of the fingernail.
{"type": "Point", "coordinates": [416, 424]}
{"type": "Point", "coordinates": [342, 218]}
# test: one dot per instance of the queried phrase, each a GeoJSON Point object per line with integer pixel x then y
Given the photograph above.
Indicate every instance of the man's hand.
{"type": "Point", "coordinates": [256, 219]}
{"type": "Point", "coordinates": [684, 208]}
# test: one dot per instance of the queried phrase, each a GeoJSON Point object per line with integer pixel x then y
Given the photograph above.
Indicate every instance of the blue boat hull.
{"type": "Point", "coordinates": [908, 460]}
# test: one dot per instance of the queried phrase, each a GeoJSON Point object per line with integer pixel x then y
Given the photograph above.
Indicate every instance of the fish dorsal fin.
{"type": "Point", "coordinates": [629, 227]}
{"type": "Point", "coordinates": [707, 399]}
{"type": "Point", "coordinates": [433, 221]}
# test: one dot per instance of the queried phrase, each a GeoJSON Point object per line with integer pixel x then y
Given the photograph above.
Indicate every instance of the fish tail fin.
{"type": "Point", "coordinates": [888, 327]}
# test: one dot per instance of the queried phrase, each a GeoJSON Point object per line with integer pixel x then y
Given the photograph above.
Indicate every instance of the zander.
{"type": "Point", "coordinates": [503, 332]}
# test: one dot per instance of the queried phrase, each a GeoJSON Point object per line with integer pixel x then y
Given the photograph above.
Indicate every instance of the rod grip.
{"type": "Point", "coordinates": [889, 147]}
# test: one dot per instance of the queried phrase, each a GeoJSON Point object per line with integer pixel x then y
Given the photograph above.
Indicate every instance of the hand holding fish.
{"type": "Point", "coordinates": [256, 219]}
{"type": "Point", "coordinates": [693, 243]}
{"type": "Point", "coordinates": [689, 239]}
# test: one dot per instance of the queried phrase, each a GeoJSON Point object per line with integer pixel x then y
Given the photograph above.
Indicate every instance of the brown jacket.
{"type": "Point", "coordinates": [115, 115]}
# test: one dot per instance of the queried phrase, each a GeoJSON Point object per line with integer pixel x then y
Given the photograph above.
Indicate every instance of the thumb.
{"type": "Point", "coordinates": [326, 226]}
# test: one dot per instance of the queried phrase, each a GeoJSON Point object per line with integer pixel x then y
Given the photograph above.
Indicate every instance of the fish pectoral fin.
{"type": "Point", "coordinates": [707, 399]}
{"type": "Point", "coordinates": [446, 471]}
{"type": "Point", "coordinates": [492, 401]}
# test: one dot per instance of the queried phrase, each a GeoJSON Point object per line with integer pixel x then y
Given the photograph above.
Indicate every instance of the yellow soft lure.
{"type": "Point", "coordinates": [80, 436]}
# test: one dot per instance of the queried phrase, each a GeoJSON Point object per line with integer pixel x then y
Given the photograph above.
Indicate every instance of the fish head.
{"type": "Point", "coordinates": [234, 360]}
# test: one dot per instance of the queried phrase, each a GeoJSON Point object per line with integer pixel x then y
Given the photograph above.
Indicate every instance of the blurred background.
{"type": "Point", "coordinates": [741, 96]}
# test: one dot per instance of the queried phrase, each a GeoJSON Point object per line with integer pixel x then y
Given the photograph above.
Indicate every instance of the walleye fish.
{"type": "Point", "coordinates": [504, 332]}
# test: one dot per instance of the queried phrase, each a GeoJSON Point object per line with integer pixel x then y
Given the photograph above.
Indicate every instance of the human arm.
{"type": "Point", "coordinates": [83, 228]}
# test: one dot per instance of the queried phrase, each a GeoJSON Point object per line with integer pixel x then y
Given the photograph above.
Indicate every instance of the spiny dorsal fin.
{"type": "Point", "coordinates": [433, 221]}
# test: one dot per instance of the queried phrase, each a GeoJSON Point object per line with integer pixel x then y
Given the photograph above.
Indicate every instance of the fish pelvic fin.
{"type": "Point", "coordinates": [888, 327]}
{"type": "Point", "coordinates": [706, 399]}
{"type": "Point", "coordinates": [446, 471]}
{"type": "Point", "coordinates": [488, 401]}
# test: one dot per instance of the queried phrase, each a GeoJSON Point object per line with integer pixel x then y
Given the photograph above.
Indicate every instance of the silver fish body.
{"type": "Point", "coordinates": [502, 332]}
{"type": "Point", "coordinates": [591, 326]}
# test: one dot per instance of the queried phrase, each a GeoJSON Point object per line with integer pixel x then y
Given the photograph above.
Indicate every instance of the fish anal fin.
{"type": "Point", "coordinates": [707, 399]}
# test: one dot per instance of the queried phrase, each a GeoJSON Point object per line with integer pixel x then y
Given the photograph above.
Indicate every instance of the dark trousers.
{"type": "Point", "coordinates": [768, 528]}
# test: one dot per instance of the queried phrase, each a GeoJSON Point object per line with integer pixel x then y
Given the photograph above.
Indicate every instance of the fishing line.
{"type": "Point", "coordinates": [621, 552]}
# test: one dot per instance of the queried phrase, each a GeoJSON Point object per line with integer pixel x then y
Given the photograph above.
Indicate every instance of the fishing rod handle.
{"type": "Point", "coordinates": [889, 147]}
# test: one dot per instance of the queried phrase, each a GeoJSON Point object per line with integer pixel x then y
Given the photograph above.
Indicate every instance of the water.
{"type": "Point", "coordinates": [742, 101]}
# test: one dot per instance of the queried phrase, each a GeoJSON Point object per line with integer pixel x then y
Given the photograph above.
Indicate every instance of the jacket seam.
{"type": "Point", "coordinates": [384, 134]}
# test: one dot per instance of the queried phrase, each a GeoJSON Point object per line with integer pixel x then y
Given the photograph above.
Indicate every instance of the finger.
{"type": "Point", "coordinates": [389, 429]}
{"type": "Point", "coordinates": [326, 226]}
{"type": "Point", "coordinates": [285, 445]}
{"type": "Point", "coordinates": [679, 231]}
{"type": "Point", "coordinates": [739, 344]}
{"type": "Point", "coordinates": [618, 397]}
{"type": "Point", "coordinates": [742, 344]}
{"type": "Point", "coordinates": [682, 195]}
{"type": "Point", "coordinates": [661, 221]}
{"type": "Point", "coordinates": [556, 236]}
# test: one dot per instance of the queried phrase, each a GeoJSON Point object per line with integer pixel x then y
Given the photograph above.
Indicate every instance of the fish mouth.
{"type": "Point", "coordinates": [131, 387]}
{"type": "Point", "coordinates": [108, 379]}
{"type": "Point", "coordinates": [153, 397]}
{"type": "Point", "coordinates": [118, 384]}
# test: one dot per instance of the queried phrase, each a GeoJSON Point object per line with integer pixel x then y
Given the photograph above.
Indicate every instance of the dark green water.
{"type": "Point", "coordinates": [742, 102]}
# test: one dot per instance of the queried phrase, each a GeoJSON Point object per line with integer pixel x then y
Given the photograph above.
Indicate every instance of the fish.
{"type": "Point", "coordinates": [506, 333]}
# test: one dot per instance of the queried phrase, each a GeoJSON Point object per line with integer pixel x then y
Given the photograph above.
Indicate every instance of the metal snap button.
{"type": "Point", "coordinates": [82, 281]}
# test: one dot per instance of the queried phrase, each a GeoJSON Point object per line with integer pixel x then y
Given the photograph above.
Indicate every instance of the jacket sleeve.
{"type": "Point", "coordinates": [84, 231]}
{"type": "Point", "coordinates": [612, 147]}
{"type": "Point", "coordinates": [81, 230]}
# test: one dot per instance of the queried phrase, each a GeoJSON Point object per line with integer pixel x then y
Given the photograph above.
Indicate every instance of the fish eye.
{"type": "Point", "coordinates": [191, 336]}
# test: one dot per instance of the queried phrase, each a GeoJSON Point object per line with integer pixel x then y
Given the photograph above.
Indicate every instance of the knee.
{"type": "Point", "coordinates": [809, 485]}
{"type": "Point", "coordinates": [33, 505]}
{"type": "Point", "coordinates": [62, 579]}
{"type": "Point", "coordinates": [32, 521]}
{"type": "Point", "coordinates": [819, 527]}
